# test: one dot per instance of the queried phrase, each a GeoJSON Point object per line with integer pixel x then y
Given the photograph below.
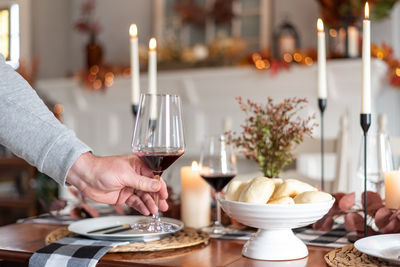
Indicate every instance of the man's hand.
{"type": "Point", "coordinates": [117, 180]}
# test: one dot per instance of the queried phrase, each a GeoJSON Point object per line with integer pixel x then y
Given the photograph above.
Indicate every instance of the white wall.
{"type": "Point", "coordinates": [51, 24]}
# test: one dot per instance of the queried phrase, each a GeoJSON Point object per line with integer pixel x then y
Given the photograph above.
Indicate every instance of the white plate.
{"type": "Point", "coordinates": [84, 226]}
{"type": "Point", "coordinates": [386, 247]}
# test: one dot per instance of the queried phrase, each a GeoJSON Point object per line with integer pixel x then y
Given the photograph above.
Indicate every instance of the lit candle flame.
{"type": "Point", "coordinates": [153, 44]}
{"type": "Point", "coordinates": [195, 166]}
{"type": "Point", "coordinates": [133, 30]}
{"type": "Point", "coordinates": [320, 25]}
{"type": "Point", "coordinates": [366, 10]}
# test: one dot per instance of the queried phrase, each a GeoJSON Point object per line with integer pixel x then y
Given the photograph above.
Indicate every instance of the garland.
{"type": "Point", "coordinates": [385, 53]}
{"type": "Point", "coordinates": [262, 61]}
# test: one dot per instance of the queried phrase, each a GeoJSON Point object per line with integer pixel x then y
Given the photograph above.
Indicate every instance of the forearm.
{"type": "Point", "coordinates": [31, 131]}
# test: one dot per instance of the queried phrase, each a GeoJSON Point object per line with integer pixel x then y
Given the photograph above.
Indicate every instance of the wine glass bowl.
{"type": "Point", "coordinates": [218, 169]}
{"type": "Point", "coordinates": [158, 140]}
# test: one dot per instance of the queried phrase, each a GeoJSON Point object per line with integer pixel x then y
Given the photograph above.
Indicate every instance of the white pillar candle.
{"type": "Point", "coordinates": [322, 82]}
{"type": "Point", "coordinates": [392, 189]}
{"type": "Point", "coordinates": [352, 41]}
{"type": "Point", "coordinates": [195, 197]}
{"type": "Point", "coordinates": [366, 64]}
{"type": "Point", "coordinates": [135, 80]}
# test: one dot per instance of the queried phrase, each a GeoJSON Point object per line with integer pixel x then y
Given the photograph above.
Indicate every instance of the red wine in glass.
{"type": "Point", "coordinates": [158, 161]}
{"type": "Point", "coordinates": [218, 180]}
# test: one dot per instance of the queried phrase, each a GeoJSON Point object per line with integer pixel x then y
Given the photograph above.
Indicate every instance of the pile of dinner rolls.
{"type": "Point", "coordinates": [264, 190]}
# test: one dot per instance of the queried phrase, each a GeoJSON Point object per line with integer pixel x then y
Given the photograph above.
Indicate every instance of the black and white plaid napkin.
{"type": "Point", "coordinates": [334, 238]}
{"type": "Point", "coordinates": [72, 252]}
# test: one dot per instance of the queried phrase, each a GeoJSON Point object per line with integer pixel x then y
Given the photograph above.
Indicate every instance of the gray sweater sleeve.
{"type": "Point", "coordinates": [31, 131]}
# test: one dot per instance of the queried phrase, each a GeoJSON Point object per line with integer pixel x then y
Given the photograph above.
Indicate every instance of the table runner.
{"type": "Point", "coordinates": [334, 238]}
{"type": "Point", "coordinates": [72, 252]}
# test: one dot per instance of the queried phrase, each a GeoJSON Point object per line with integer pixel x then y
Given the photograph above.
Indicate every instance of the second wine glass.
{"type": "Point", "coordinates": [158, 140]}
{"type": "Point", "coordinates": [218, 169]}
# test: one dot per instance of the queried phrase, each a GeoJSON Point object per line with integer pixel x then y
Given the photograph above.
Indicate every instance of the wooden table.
{"type": "Point", "coordinates": [19, 241]}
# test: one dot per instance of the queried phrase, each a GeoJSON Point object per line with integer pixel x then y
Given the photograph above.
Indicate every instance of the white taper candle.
{"type": "Point", "coordinates": [152, 76]}
{"type": "Point", "coordinates": [153, 66]}
{"type": "Point", "coordinates": [366, 64]}
{"type": "Point", "coordinates": [322, 82]}
{"type": "Point", "coordinates": [135, 78]}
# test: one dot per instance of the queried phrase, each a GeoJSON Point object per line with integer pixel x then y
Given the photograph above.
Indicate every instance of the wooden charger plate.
{"type": "Point", "coordinates": [187, 237]}
{"type": "Point", "coordinates": [350, 256]}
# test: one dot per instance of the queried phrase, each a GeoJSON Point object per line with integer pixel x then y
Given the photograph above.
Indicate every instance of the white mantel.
{"type": "Point", "coordinates": [104, 121]}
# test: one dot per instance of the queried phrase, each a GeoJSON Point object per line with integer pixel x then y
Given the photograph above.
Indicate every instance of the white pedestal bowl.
{"type": "Point", "coordinates": [275, 239]}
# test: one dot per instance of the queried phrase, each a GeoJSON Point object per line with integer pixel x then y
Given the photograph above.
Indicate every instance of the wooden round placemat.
{"type": "Point", "coordinates": [185, 238]}
{"type": "Point", "coordinates": [350, 256]}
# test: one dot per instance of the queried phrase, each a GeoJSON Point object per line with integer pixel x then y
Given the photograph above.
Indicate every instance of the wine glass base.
{"type": "Point", "coordinates": [154, 225]}
{"type": "Point", "coordinates": [217, 229]}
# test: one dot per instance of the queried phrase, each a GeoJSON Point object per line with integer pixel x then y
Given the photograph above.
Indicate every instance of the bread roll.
{"type": "Point", "coordinates": [259, 190]}
{"type": "Point", "coordinates": [312, 197]}
{"type": "Point", "coordinates": [234, 189]}
{"type": "Point", "coordinates": [283, 200]}
{"type": "Point", "coordinates": [291, 188]}
{"type": "Point", "coordinates": [277, 181]}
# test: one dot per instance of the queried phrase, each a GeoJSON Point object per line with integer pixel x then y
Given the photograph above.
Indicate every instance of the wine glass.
{"type": "Point", "coordinates": [218, 169]}
{"type": "Point", "coordinates": [379, 161]}
{"type": "Point", "coordinates": [158, 141]}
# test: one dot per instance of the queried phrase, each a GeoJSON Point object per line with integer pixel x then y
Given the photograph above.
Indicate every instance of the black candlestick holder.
{"type": "Point", "coordinates": [322, 102]}
{"type": "Point", "coordinates": [135, 109]}
{"type": "Point", "coordinates": [365, 121]}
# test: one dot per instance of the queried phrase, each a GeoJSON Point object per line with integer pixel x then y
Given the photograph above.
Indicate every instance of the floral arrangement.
{"type": "Point", "coordinates": [336, 12]}
{"type": "Point", "coordinates": [86, 23]}
{"type": "Point", "coordinates": [379, 220]}
{"type": "Point", "coordinates": [271, 131]}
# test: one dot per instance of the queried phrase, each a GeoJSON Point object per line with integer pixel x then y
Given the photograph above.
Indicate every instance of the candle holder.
{"type": "Point", "coordinates": [322, 102]}
{"type": "Point", "coordinates": [135, 109]}
{"type": "Point", "coordinates": [365, 121]}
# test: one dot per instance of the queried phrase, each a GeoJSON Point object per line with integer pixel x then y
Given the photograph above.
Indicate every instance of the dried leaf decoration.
{"type": "Point", "coordinates": [347, 201]}
{"type": "Point", "coordinates": [374, 202]}
{"type": "Point", "coordinates": [354, 222]}
{"type": "Point", "coordinates": [387, 221]}
{"type": "Point", "coordinates": [325, 224]}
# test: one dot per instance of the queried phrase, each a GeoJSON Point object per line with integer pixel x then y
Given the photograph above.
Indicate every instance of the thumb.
{"type": "Point", "coordinates": [143, 183]}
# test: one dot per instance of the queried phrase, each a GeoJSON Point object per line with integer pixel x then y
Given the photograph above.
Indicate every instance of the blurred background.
{"type": "Point", "coordinates": [76, 54]}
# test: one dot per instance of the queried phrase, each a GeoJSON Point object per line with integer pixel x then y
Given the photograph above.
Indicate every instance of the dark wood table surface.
{"type": "Point", "coordinates": [19, 241]}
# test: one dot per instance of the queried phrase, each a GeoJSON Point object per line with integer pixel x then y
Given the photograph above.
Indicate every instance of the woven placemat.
{"type": "Point", "coordinates": [185, 238]}
{"type": "Point", "coordinates": [350, 256]}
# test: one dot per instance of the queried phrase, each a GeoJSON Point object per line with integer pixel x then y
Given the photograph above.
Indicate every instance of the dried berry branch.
{"type": "Point", "coordinates": [271, 131]}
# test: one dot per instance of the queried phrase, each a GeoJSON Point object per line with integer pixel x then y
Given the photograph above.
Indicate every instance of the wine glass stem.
{"type": "Point", "coordinates": [218, 208]}
{"type": "Point", "coordinates": [155, 216]}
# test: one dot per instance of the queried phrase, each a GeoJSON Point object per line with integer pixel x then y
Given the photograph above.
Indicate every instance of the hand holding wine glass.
{"type": "Point", "coordinates": [158, 139]}
{"type": "Point", "coordinates": [117, 180]}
